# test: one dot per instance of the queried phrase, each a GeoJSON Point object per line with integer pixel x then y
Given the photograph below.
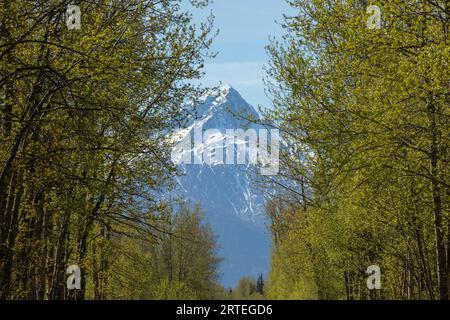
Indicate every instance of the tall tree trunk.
{"type": "Point", "coordinates": [440, 241]}
{"type": "Point", "coordinates": [12, 230]}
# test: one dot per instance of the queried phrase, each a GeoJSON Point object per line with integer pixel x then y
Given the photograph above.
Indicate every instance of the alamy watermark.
{"type": "Point", "coordinates": [74, 278]}
{"type": "Point", "coordinates": [374, 20]}
{"type": "Point", "coordinates": [73, 17]}
{"type": "Point", "coordinates": [234, 146]}
{"type": "Point", "coordinates": [374, 279]}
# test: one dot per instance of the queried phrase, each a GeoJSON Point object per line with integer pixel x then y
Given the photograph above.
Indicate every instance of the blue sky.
{"type": "Point", "coordinates": [245, 27]}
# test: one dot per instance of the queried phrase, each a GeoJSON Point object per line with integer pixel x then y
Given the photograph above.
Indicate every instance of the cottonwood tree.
{"type": "Point", "coordinates": [83, 137]}
{"type": "Point", "coordinates": [371, 108]}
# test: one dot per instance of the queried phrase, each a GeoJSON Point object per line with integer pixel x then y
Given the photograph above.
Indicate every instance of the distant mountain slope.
{"type": "Point", "coordinates": [233, 205]}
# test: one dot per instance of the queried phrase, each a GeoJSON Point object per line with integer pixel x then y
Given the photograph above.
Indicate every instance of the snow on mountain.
{"type": "Point", "coordinates": [234, 206]}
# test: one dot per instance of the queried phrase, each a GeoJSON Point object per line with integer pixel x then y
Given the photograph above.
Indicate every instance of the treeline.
{"type": "Point", "coordinates": [365, 113]}
{"type": "Point", "coordinates": [181, 264]}
{"type": "Point", "coordinates": [84, 154]}
{"type": "Point", "coordinates": [249, 288]}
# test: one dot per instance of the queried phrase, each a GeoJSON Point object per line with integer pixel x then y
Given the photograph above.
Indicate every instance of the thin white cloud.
{"type": "Point", "coordinates": [248, 74]}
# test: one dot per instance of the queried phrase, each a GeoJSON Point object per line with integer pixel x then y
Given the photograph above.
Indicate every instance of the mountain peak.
{"type": "Point", "coordinates": [225, 87]}
{"type": "Point", "coordinates": [219, 93]}
{"type": "Point", "coordinates": [234, 205]}
{"type": "Point", "coordinates": [224, 102]}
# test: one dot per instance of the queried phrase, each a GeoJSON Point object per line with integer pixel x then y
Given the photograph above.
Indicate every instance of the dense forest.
{"type": "Point", "coordinates": [365, 114]}
{"type": "Point", "coordinates": [84, 156]}
{"type": "Point", "coordinates": [85, 167]}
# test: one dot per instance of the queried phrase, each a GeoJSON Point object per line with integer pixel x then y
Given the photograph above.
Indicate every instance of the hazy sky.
{"type": "Point", "coordinates": [245, 27]}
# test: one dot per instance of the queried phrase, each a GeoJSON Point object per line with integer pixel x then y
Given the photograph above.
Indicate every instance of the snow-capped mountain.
{"type": "Point", "coordinates": [226, 190]}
